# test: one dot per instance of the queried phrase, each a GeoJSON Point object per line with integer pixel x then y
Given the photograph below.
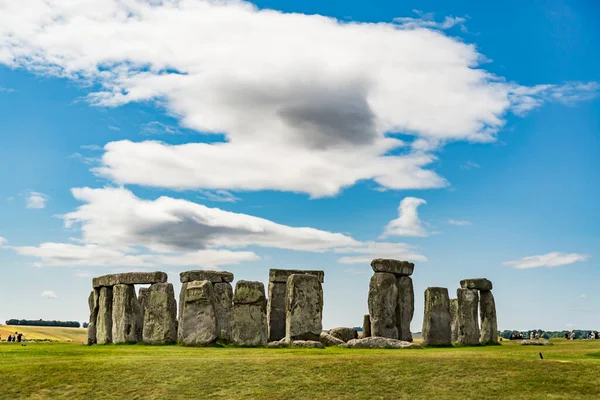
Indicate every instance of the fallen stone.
{"type": "Point", "coordinates": [104, 319]}
{"type": "Point", "coordinates": [127, 315]}
{"type": "Point", "coordinates": [160, 314]}
{"type": "Point", "coordinates": [276, 311]}
{"type": "Point", "coordinates": [304, 307]}
{"type": "Point", "coordinates": [223, 306]}
{"type": "Point", "coordinates": [282, 275]}
{"type": "Point", "coordinates": [468, 317]}
{"type": "Point", "coordinates": [249, 292]}
{"type": "Point", "coordinates": [94, 304]}
{"type": "Point", "coordinates": [278, 344]}
{"type": "Point", "coordinates": [249, 320]}
{"type": "Point", "coordinates": [329, 340]}
{"type": "Point", "coordinates": [489, 323]}
{"type": "Point", "coordinates": [313, 344]}
{"type": "Point", "coordinates": [344, 334]}
{"type": "Point", "coordinates": [405, 307]}
{"type": "Point", "coordinates": [396, 267]}
{"type": "Point", "coordinates": [205, 275]}
{"type": "Point", "coordinates": [198, 324]}
{"type": "Point", "coordinates": [383, 297]}
{"type": "Point", "coordinates": [536, 343]}
{"type": "Point", "coordinates": [436, 321]}
{"type": "Point", "coordinates": [366, 332]}
{"type": "Point", "coordinates": [454, 319]}
{"type": "Point", "coordinates": [476, 283]}
{"type": "Point", "coordinates": [380, 343]}
{"type": "Point", "coordinates": [129, 278]}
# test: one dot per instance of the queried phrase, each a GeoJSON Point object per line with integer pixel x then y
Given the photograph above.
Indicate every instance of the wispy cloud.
{"type": "Point", "coordinates": [469, 165]}
{"type": "Point", "coordinates": [219, 196]}
{"type": "Point", "coordinates": [427, 20]}
{"type": "Point", "coordinates": [93, 147]}
{"type": "Point", "coordinates": [114, 128]}
{"type": "Point", "coordinates": [3, 241]}
{"type": "Point", "coordinates": [459, 222]}
{"type": "Point", "coordinates": [158, 128]}
{"type": "Point", "coordinates": [85, 160]}
{"type": "Point", "coordinates": [408, 222]}
{"type": "Point", "coordinates": [49, 294]}
{"type": "Point", "coordinates": [6, 90]}
{"type": "Point", "coordinates": [554, 259]}
{"type": "Point", "coordinates": [84, 274]}
{"type": "Point", "coordinates": [36, 200]}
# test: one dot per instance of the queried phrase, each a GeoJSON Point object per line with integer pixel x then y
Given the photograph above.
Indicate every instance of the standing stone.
{"type": "Point", "coordinates": [344, 334]}
{"type": "Point", "coordinates": [198, 322]}
{"type": "Point", "coordinates": [104, 319]}
{"type": "Point", "coordinates": [249, 315]}
{"type": "Point", "coordinates": [304, 308]}
{"type": "Point", "coordinates": [127, 315]}
{"type": "Point", "coordinates": [489, 323]}
{"type": "Point", "coordinates": [405, 308]}
{"type": "Point", "coordinates": [142, 296]}
{"type": "Point", "coordinates": [160, 314]}
{"type": "Point", "coordinates": [383, 297]}
{"type": "Point", "coordinates": [468, 318]}
{"type": "Point", "coordinates": [223, 306]}
{"type": "Point", "coordinates": [436, 322]}
{"type": "Point", "coordinates": [454, 319]}
{"type": "Point", "coordinates": [93, 302]}
{"type": "Point", "coordinates": [366, 326]}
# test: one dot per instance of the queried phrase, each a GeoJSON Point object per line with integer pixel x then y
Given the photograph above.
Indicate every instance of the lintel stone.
{"type": "Point", "coordinates": [476, 283]}
{"type": "Point", "coordinates": [204, 275]}
{"type": "Point", "coordinates": [396, 267]}
{"type": "Point", "coordinates": [130, 278]}
{"type": "Point", "coordinates": [281, 275]}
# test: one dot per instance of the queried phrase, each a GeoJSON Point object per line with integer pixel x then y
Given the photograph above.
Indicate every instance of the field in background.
{"type": "Point", "coordinates": [570, 369]}
{"type": "Point", "coordinates": [76, 335]}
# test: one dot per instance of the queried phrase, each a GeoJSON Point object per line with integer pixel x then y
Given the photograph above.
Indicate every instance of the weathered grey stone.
{"type": "Point", "coordinates": [282, 275]}
{"type": "Point", "coordinates": [366, 332]}
{"type": "Point", "coordinates": [436, 321]}
{"type": "Point", "coordinates": [380, 343]}
{"type": "Point", "coordinates": [454, 319]}
{"type": "Point", "coordinates": [127, 315]}
{"type": "Point", "coordinates": [130, 278]}
{"type": "Point", "coordinates": [489, 323]}
{"type": "Point", "coordinates": [276, 311]}
{"type": "Point", "coordinates": [329, 340]}
{"type": "Point", "coordinates": [278, 344]}
{"type": "Point", "coordinates": [536, 343]}
{"type": "Point", "coordinates": [249, 320]}
{"type": "Point", "coordinates": [396, 267]}
{"type": "Point", "coordinates": [304, 307]}
{"type": "Point", "coordinates": [94, 304]}
{"type": "Point", "coordinates": [405, 307]}
{"type": "Point", "coordinates": [468, 316]}
{"type": "Point", "coordinates": [476, 283]}
{"type": "Point", "coordinates": [160, 314]}
{"type": "Point", "coordinates": [205, 275]}
{"type": "Point", "coordinates": [142, 296]}
{"type": "Point", "coordinates": [223, 306]}
{"type": "Point", "coordinates": [181, 303]}
{"type": "Point", "coordinates": [313, 344]}
{"type": "Point", "coordinates": [383, 297]}
{"type": "Point", "coordinates": [344, 334]}
{"type": "Point", "coordinates": [249, 292]}
{"type": "Point", "coordinates": [104, 319]}
{"type": "Point", "coordinates": [198, 323]}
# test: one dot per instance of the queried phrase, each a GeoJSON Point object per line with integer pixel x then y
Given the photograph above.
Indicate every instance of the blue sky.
{"type": "Point", "coordinates": [483, 121]}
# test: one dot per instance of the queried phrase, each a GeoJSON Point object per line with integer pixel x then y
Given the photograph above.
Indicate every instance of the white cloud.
{"type": "Point", "coordinates": [83, 159]}
{"type": "Point", "coordinates": [6, 90]}
{"type": "Point", "coordinates": [554, 259]}
{"type": "Point", "coordinates": [316, 99]}
{"type": "Point", "coordinates": [49, 294]}
{"type": "Point", "coordinates": [470, 165]}
{"type": "Point", "coordinates": [83, 274]}
{"type": "Point", "coordinates": [113, 128]}
{"type": "Point", "coordinates": [92, 147]}
{"type": "Point", "coordinates": [459, 222]}
{"type": "Point", "coordinates": [3, 241]}
{"type": "Point", "coordinates": [158, 128]}
{"type": "Point", "coordinates": [367, 251]}
{"type": "Point", "coordinates": [218, 196]}
{"type": "Point", "coordinates": [408, 222]}
{"type": "Point", "coordinates": [36, 200]}
{"type": "Point", "coordinates": [426, 20]}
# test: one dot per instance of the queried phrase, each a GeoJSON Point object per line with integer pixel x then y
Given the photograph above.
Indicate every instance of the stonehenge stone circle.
{"type": "Point", "coordinates": [93, 302]}
{"type": "Point", "coordinates": [160, 314]}
{"type": "Point", "coordinates": [366, 332]}
{"type": "Point", "coordinates": [276, 311]}
{"type": "Point", "coordinates": [104, 318]}
{"type": "Point", "coordinates": [383, 299]}
{"type": "Point", "coordinates": [405, 307]}
{"type": "Point", "coordinates": [476, 283]}
{"type": "Point", "coordinates": [344, 334]}
{"type": "Point", "coordinates": [130, 278]}
{"type": "Point", "coordinates": [489, 323]}
{"type": "Point", "coordinates": [436, 321]}
{"type": "Point", "coordinates": [249, 314]}
{"type": "Point", "coordinates": [454, 319]}
{"type": "Point", "coordinates": [126, 314]}
{"type": "Point", "coordinates": [468, 316]}
{"type": "Point", "coordinates": [198, 323]}
{"type": "Point", "coordinates": [304, 307]}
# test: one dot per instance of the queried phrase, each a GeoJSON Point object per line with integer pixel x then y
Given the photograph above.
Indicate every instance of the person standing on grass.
{"type": "Point", "coordinates": [19, 337]}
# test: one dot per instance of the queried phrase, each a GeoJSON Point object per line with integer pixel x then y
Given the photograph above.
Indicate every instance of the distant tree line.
{"type": "Point", "coordinates": [41, 322]}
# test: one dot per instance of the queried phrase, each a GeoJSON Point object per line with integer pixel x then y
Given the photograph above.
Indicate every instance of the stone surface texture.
{"type": "Point", "coordinates": [536, 343]}
{"type": "Point", "coordinates": [380, 343]}
{"type": "Point", "coordinates": [276, 311]}
{"type": "Point", "coordinates": [436, 321]}
{"type": "Point", "coordinates": [329, 340]}
{"type": "Point", "coordinates": [396, 267]}
{"type": "Point", "coordinates": [282, 275]}
{"type": "Point", "coordinates": [313, 344]}
{"type": "Point", "coordinates": [223, 308]}
{"type": "Point", "coordinates": [454, 319]}
{"type": "Point", "coordinates": [249, 320]}
{"type": "Point", "coordinates": [104, 319]}
{"type": "Point", "coordinates": [468, 316]}
{"type": "Point", "coordinates": [127, 318]}
{"type": "Point", "coordinates": [160, 314]}
{"type": "Point", "coordinates": [383, 297]}
{"type": "Point", "coordinates": [198, 323]}
{"type": "Point", "coordinates": [304, 307]}
{"type": "Point", "coordinates": [476, 283]}
{"type": "Point", "coordinates": [129, 278]}
{"type": "Point", "coordinates": [206, 275]}
{"type": "Point", "coordinates": [93, 303]}
{"type": "Point", "coordinates": [249, 292]}
{"type": "Point", "coordinates": [366, 332]}
{"type": "Point", "coordinates": [344, 334]}
{"type": "Point", "coordinates": [489, 323]}
{"type": "Point", "coordinates": [405, 307]}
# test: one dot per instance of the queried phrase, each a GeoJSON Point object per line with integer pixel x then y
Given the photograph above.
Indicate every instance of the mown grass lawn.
{"type": "Point", "coordinates": [569, 370]}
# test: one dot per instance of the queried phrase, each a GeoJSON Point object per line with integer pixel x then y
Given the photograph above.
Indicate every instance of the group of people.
{"type": "Point", "coordinates": [16, 338]}
{"type": "Point", "coordinates": [591, 335]}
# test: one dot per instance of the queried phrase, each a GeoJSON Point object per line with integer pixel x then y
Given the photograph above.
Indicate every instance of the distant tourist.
{"type": "Point", "coordinates": [537, 335]}
{"type": "Point", "coordinates": [19, 337]}
{"type": "Point", "coordinates": [9, 338]}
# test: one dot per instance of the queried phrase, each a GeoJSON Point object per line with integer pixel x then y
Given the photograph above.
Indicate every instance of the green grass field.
{"type": "Point", "coordinates": [569, 370]}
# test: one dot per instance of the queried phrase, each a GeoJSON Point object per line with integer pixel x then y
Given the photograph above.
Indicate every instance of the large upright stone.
{"type": "Point", "coordinates": [304, 307]}
{"type": "Point", "coordinates": [383, 297]}
{"type": "Point", "coordinates": [93, 303]}
{"type": "Point", "coordinates": [127, 315]}
{"type": "Point", "coordinates": [489, 323]}
{"type": "Point", "coordinates": [206, 275]}
{"type": "Point", "coordinates": [454, 319]}
{"type": "Point", "coordinates": [142, 297]}
{"type": "Point", "coordinates": [476, 283]}
{"type": "Point", "coordinates": [160, 314]}
{"type": "Point", "coordinates": [396, 267]}
{"type": "Point", "coordinates": [104, 319]}
{"type": "Point", "coordinates": [223, 308]}
{"type": "Point", "coordinates": [198, 323]}
{"type": "Point", "coordinates": [249, 315]}
{"type": "Point", "coordinates": [366, 332]}
{"type": "Point", "coordinates": [436, 321]}
{"type": "Point", "coordinates": [405, 307]}
{"type": "Point", "coordinates": [130, 278]}
{"type": "Point", "coordinates": [282, 275]}
{"type": "Point", "coordinates": [468, 317]}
